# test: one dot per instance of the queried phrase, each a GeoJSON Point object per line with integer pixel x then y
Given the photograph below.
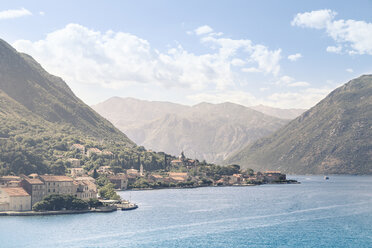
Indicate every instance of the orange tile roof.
{"type": "Point", "coordinates": [95, 150]}
{"type": "Point", "coordinates": [16, 191]}
{"type": "Point", "coordinates": [272, 172]}
{"type": "Point", "coordinates": [33, 180]}
{"type": "Point", "coordinates": [157, 176]}
{"type": "Point", "coordinates": [176, 161]}
{"type": "Point", "coordinates": [178, 178]}
{"type": "Point", "coordinates": [10, 177]}
{"type": "Point", "coordinates": [177, 174]}
{"type": "Point", "coordinates": [53, 178]}
{"type": "Point", "coordinates": [78, 146]}
{"type": "Point", "coordinates": [117, 177]}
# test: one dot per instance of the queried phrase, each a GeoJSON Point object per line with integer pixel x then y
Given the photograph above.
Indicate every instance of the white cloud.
{"type": "Point", "coordinates": [315, 19]}
{"type": "Point", "coordinates": [305, 98]}
{"type": "Point", "coordinates": [294, 57]}
{"type": "Point", "coordinates": [250, 69]}
{"type": "Point", "coordinates": [116, 60]}
{"type": "Point", "coordinates": [299, 84]}
{"type": "Point", "coordinates": [290, 82]}
{"type": "Point", "coordinates": [203, 30]}
{"type": "Point", "coordinates": [14, 13]}
{"type": "Point", "coordinates": [42, 13]}
{"type": "Point", "coordinates": [334, 49]}
{"type": "Point", "coordinates": [354, 36]}
{"type": "Point", "coordinates": [238, 62]}
{"type": "Point", "coordinates": [349, 70]}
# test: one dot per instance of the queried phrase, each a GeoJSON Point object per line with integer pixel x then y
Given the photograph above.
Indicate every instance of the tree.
{"type": "Point", "coordinates": [108, 192]}
{"type": "Point", "coordinates": [95, 174]}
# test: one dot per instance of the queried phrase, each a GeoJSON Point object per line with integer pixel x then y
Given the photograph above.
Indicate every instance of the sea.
{"type": "Point", "coordinates": [316, 213]}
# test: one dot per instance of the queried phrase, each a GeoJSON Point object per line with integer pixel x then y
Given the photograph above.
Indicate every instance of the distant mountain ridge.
{"type": "Point", "coordinates": [335, 136]}
{"type": "Point", "coordinates": [204, 131]}
{"type": "Point", "coordinates": [289, 114]}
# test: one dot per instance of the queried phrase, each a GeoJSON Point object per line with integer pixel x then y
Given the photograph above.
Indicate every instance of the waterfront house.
{"type": "Point", "coordinates": [273, 176]}
{"type": "Point", "coordinates": [34, 187]}
{"type": "Point", "coordinates": [85, 189]}
{"type": "Point", "coordinates": [155, 178]}
{"type": "Point", "coordinates": [14, 199]}
{"type": "Point", "coordinates": [184, 175]}
{"type": "Point", "coordinates": [236, 179]}
{"type": "Point", "coordinates": [58, 184]}
{"type": "Point", "coordinates": [120, 181]}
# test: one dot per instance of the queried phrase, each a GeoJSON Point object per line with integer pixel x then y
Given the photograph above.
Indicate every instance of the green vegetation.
{"type": "Point", "coordinates": [332, 137]}
{"type": "Point", "coordinates": [60, 202]}
{"type": "Point", "coordinates": [108, 192]}
{"type": "Point", "coordinates": [40, 118]}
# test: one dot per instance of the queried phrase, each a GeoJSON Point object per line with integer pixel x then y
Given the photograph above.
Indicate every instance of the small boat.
{"type": "Point", "coordinates": [129, 206]}
{"type": "Point", "coordinates": [326, 178]}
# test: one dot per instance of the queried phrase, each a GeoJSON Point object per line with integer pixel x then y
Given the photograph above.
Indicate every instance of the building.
{"type": "Point", "coordinates": [273, 176]}
{"type": "Point", "coordinates": [105, 170]}
{"type": "Point", "coordinates": [79, 147]}
{"type": "Point", "coordinates": [14, 199]}
{"type": "Point", "coordinates": [120, 181]}
{"type": "Point", "coordinates": [184, 175]}
{"type": "Point", "coordinates": [85, 189]}
{"type": "Point", "coordinates": [133, 172]}
{"type": "Point", "coordinates": [236, 179]}
{"type": "Point", "coordinates": [74, 162]}
{"type": "Point", "coordinates": [107, 154]}
{"type": "Point", "coordinates": [77, 172]}
{"type": "Point", "coordinates": [155, 178]}
{"type": "Point", "coordinates": [58, 184]}
{"type": "Point", "coordinates": [183, 161]}
{"type": "Point", "coordinates": [10, 181]}
{"type": "Point", "coordinates": [35, 188]}
{"type": "Point", "coordinates": [92, 151]}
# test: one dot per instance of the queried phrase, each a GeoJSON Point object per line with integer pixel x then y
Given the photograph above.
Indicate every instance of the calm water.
{"type": "Point", "coordinates": [316, 213]}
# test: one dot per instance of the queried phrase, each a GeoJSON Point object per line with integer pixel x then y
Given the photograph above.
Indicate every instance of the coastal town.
{"type": "Point", "coordinates": [24, 192]}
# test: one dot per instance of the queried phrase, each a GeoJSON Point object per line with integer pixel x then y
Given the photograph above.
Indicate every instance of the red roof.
{"type": "Point", "coordinates": [33, 181]}
{"type": "Point", "coordinates": [16, 191]}
{"type": "Point", "coordinates": [53, 178]}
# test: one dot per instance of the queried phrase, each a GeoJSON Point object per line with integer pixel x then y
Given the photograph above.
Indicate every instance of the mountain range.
{"type": "Point", "coordinates": [40, 116]}
{"type": "Point", "coordinates": [204, 131]}
{"type": "Point", "coordinates": [332, 137]}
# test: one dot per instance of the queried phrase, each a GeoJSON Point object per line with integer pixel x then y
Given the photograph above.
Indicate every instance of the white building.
{"type": "Point", "coordinates": [14, 199]}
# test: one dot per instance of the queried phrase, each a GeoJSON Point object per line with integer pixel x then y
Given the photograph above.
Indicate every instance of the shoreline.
{"type": "Point", "coordinates": [59, 212]}
{"type": "Point", "coordinates": [205, 186]}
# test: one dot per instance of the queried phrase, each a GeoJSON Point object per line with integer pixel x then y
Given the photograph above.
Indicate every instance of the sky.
{"type": "Point", "coordinates": [285, 54]}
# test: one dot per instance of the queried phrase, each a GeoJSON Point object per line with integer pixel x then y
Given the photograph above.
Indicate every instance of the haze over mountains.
{"type": "Point", "coordinates": [204, 131]}
{"type": "Point", "coordinates": [332, 137]}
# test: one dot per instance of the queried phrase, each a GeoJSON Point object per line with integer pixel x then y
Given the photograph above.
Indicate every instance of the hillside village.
{"type": "Point", "coordinates": [22, 192]}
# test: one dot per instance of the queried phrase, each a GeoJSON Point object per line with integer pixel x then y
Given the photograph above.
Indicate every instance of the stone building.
{"type": "Point", "coordinates": [14, 199]}
{"type": "Point", "coordinates": [58, 184]}
{"type": "Point", "coordinates": [120, 181]}
{"type": "Point", "coordinates": [35, 188]}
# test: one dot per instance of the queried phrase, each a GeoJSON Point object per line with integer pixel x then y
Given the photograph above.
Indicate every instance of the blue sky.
{"type": "Point", "coordinates": [287, 54]}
